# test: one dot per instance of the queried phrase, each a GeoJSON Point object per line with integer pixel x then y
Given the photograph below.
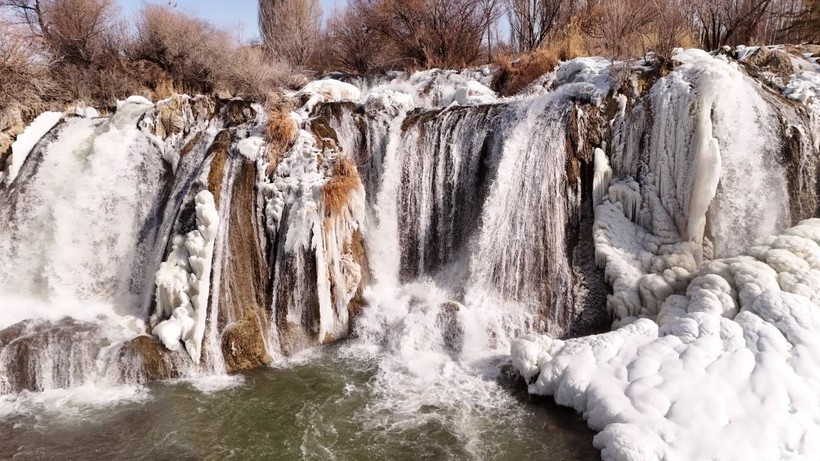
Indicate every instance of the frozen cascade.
{"type": "Point", "coordinates": [432, 223]}
{"type": "Point", "coordinates": [710, 352]}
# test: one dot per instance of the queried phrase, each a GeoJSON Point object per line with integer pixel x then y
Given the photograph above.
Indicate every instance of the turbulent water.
{"type": "Point", "coordinates": [419, 223]}
{"type": "Point", "coordinates": [328, 405]}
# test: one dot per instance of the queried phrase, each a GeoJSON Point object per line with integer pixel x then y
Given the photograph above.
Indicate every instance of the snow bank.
{"type": "Point", "coordinates": [324, 91]}
{"type": "Point", "coordinates": [183, 282]}
{"type": "Point", "coordinates": [439, 88]}
{"type": "Point", "coordinates": [27, 139]}
{"type": "Point", "coordinates": [804, 86]}
{"type": "Point", "coordinates": [729, 372]}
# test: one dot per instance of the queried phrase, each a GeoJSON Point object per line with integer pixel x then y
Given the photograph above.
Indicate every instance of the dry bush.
{"type": "Point", "coordinates": [429, 33]}
{"type": "Point", "coordinates": [615, 27]}
{"type": "Point", "coordinates": [290, 29]}
{"type": "Point", "coordinates": [23, 69]}
{"type": "Point", "coordinates": [253, 76]}
{"type": "Point", "coordinates": [194, 53]}
{"type": "Point", "coordinates": [353, 45]}
{"type": "Point", "coordinates": [513, 76]}
{"type": "Point", "coordinates": [337, 191]}
{"type": "Point", "coordinates": [77, 31]}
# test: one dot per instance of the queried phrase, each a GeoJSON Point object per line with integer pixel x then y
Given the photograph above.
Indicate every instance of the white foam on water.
{"type": "Point", "coordinates": [74, 403]}
{"type": "Point", "coordinates": [212, 383]}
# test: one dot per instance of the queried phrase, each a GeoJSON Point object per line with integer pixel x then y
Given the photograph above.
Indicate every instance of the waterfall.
{"type": "Point", "coordinates": [70, 248]}
{"type": "Point", "coordinates": [419, 217]}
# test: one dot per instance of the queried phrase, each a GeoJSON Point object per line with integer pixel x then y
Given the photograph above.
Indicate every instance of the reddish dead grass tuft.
{"type": "Point", "coordinates": [513, 76]}
{"type": "Point", "coordinates": [336, 192]}
{"type": "Point", "coordinates": [280, 130]}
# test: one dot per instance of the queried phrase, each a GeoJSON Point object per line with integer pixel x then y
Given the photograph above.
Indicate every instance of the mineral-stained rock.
{"type": "Point", "coordinates": [145, 359]}
{"type": "Point", "coordinates": [39, 355]}
{"type": "Point", "coordinates": [243, 346]}
{"type": "Point", "coordinates": [777, 62]}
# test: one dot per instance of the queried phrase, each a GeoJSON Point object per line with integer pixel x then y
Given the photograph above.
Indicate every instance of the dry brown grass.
{"type": "Point", "coordinates": [513, 76]}
{"type": "Point", "coordinates": [336, 192]}
{"type": "Point", "coordinates": [280, 130]}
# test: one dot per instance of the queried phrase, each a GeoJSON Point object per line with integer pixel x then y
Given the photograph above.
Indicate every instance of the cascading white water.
{"type": "Point", "coordinates": [472, 204]}
{"type": "Point", "coordinates": [70, 246]}
{"type": "Point", "coordinates": [71, 219]}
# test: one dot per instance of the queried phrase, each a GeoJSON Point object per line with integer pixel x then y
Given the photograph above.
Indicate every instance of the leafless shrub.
{"type": "Point", "coordinates": [353, 44]}
{"type": "Point", "coordinates": [23, 68]}
{"type": "Point", "coordinates": [670, 28]}
{"type": "Point", "coordinates": [617, 26]}
{"type": "Point", "coordinates": [196, 54]}
{"type": "Point", "coordinates": [513, 76]}
{"type": "Point", "coordinates": [290, 29]}
{"type": "Point", "coordinates": [252, 75]}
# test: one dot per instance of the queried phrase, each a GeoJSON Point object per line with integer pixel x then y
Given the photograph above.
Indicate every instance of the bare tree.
{"type": "Point", "coordinates": [76, 31]}
{"type": "Point", "coordinates": [804, 23]}
{"type": "Point", "coordinates": [532, 21]}
{"type": "Point", "coordinates": [23, 73]}
{"type": "Point", "coordinates": [290, 29]}
{"type": "Point", "coordinates": [671, 27]}
{"type": "Point", "coordinates": [354, 45]}
{"type": "Point", "coordinates": [729, 22]}
{"type": "Point", "coordinates": [193, 52]}
{"type": "Point", "coordinates": [431, 33]}
{"type": "Point", "coordinates": [493, 12]}
{"type": "Point", "coordinates": [618, 25]}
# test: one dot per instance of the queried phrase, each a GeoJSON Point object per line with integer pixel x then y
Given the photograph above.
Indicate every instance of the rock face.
{"type": "Point", "coordinates": [11, 124]}
{"type": "Point", "coordinates": [39, 355]}
{"type": "Point", "coordinates": [145, 359]}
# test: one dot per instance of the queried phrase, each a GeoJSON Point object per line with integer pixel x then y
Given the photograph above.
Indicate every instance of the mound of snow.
{"type": "Point", "coordinates": [473, 93]}
{"type": "Point", "coordinates": [730, 371]}
{"type": "Point", "coordinates": [804, 86]}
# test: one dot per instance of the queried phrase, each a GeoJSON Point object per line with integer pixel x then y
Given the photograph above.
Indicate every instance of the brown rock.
{"type": "Point", "coordinates": [148, 360]}
{"type": "Point", "coordinates": [243, 346]}
{"type": "Point", "coordinates": [42, 354]}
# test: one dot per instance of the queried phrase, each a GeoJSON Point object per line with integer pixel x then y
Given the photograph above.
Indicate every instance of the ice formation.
{"type": "Point", "coordinates": [27, 139]}
{"type": "Point", "coordinates": [183, 283]}
{"type": "Point", "coordinates": [699, 172]}
{"type": "Point", "coordinates": [709, 358]}
{"type": "Point", "coordinates": [328, 90]}
{"type": "Point", "coordinates": [728, 372]}
{"type": "Point", "coordinates": [298, 215]}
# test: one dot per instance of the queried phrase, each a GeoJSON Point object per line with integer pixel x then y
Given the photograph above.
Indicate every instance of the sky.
{"type": "Point", "coordinates": [238, 16]}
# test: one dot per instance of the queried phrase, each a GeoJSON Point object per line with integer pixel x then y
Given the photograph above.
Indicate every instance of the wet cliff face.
{"type": "Point", "coordinates": [173, 237]}
{"type": "Point", "coordinates": [204, 236]}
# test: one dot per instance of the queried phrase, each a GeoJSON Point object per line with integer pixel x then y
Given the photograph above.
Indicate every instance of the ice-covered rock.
{"type": "Point", "coordinates": [183, 283]}
{"type": "Point", "coordinates": [730, 374]}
